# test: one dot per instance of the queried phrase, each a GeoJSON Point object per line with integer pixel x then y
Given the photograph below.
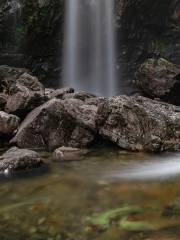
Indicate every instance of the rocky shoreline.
{"type": "Point", "coordinates": [32, 116]}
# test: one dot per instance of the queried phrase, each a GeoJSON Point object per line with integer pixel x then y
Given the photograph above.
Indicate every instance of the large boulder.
{"type": "Point", "coordinates": [8, 124]}
{"type": "Point", "coordinates": [28, 81]}
{"type": "Point", "coordinates": [58, 123]}
{"type": "Point", "coordinates": [9, 76]}
{"type": "Point", "coordinates": [17, 159]}
{"type": "Point", "coordinates": [23, 91]}
{"type": "Point", "coordinates": [13, 80]}
{"type": "Point", "coordinates": [21, 103]}
{"type": "Point", "coordinates": [158, 78]}
{"type": "Point", "coordinates": [139, 124]}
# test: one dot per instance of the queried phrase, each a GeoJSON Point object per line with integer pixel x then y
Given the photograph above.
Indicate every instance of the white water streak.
{"type": "Point", "coordinates": [158, 169]}
{"type": "Point", "coordinates": [89, 56]}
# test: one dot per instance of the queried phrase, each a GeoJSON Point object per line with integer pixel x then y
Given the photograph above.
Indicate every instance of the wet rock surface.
{"type": "Point", "coordinates": [139, 124]}
{"type": "Point", "coordinates": [16, 159]}
{"type": "Point", "coordinates": [8, 124]}
{"type": "Point", "coordinates": [58, 123]}
{"type": "Point", "coordinates": [159, 78]}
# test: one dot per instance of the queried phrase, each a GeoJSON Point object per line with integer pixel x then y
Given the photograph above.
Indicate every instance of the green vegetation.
{"type": "Point", "coordinates": [103, 220]}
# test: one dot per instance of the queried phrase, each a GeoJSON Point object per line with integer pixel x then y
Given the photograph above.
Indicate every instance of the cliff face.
{"type": "Point", "coordinates": [31, 34]}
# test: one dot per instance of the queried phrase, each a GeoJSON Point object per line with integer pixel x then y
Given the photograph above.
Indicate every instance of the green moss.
{"type": "Point", "coordinates": [104, 220]}
{"type": "Point", "coordinates": [135, 226]}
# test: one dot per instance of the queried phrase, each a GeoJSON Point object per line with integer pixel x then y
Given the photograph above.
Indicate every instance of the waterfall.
{"type": "Point", "coordinates": [89, 46]}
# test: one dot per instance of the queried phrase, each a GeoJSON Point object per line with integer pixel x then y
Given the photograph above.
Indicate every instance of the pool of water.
{"type": "Point", "coordinates": [59, 203]}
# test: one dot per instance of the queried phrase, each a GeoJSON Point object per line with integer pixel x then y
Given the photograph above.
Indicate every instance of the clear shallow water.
{"type": "Point", "coordinates": [56, 204]}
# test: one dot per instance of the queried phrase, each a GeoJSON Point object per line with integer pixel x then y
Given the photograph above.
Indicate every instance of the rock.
{"type": "Point", "coordinates": [8, 123]}
{"type": "Point", "coordinates": [79, 95]}
{"type": "Point", "coordinates": [95, 101]}
{"type": "Point", "coordinates": [69, 154]}
{"type": "Point", "coordinates": [58, 123]}
{"type": "Point", "coordinates": [159, 79]}
{"type": "Point", "coordinates": [24, 91]}
{"type": "Point", "coordinates": [30, 82]}
{"type": "Point", "coordinates": [139, 124]}
{"type": "Point", "coordinates": [9, 75]}
{"type": "Point", "coordinates": [22, 103]}
{"type": "Point", "coordinates": [59, 93]}
{"type": "Point", "coordinates": [3, 101]}
{"type": "Point", "coordinates": [13, 80]}
{"type": "Point", "coordinates": [17, 159]}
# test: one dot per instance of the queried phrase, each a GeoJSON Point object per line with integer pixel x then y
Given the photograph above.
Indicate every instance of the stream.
{"type": "Point", "coordinates": [59, 203]}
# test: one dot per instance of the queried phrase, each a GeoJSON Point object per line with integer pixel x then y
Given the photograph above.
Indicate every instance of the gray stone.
{"type": "Point", "coordinates": [159, 79]}
{"type": "Point", "coordinates": [69, 154]}
{"type": "Point", "coordinates": [8, 123]}
{"type": "Point", "coordinates": [13, 80]}
{"type": "Point", "coordinates": [58, 123]}
{"type": "Point", "coordinates": [16, 159]}
{"type": "Point", "coordinates": [59, 93]}
{"type": "Point", "coordinates": [22, 103]}
{"type": "Point", "coordinates": [83, 96]}
{"type": "Point", "coordinates": [139, 124]}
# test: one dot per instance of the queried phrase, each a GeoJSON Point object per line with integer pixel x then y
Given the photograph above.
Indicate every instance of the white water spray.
{"type": "Point", "coordinates": [89, 51]}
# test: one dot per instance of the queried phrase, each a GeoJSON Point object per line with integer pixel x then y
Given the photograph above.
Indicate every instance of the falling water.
{"type": "Point", "coordinates": [89, 55]}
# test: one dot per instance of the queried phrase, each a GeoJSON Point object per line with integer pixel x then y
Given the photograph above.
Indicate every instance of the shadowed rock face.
{"type": "Point", "coordinates": [3, 101]}
{"type": "Point", "coordinates": [58, 123]}
{"type": "Point", "coordinates": [139, 124]}
{"type": "Point", "coordinates": [159, 79]}
{"type": "Point", "coordinates": [16, 159]}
